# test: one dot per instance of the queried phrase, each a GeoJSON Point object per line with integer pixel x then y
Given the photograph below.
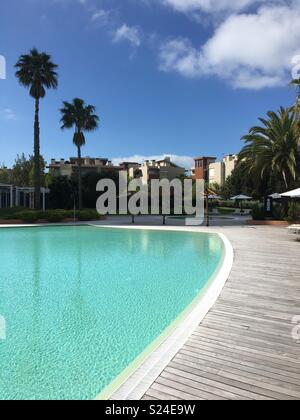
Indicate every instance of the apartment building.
{"type": "Point", "coordinates": [201, 169]}
{"type": "Point", "coordinates": [150, 169]}
{"type": "Point", "coordinates": [157, 169]}
{"type": "Point", "coordinates": [69, 167]}
{"type": "Point", "coordinates": [230, 162]}
{"type": "Point", "coordinates": [126, 166]}
{"type": "Point", "coordinates": [216, 173]}
{"type": "Point", "coordinates": [213, 171]}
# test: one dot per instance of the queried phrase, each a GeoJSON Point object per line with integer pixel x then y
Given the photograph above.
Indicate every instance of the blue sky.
{"type": "Point", "coordinates": [176, 77]}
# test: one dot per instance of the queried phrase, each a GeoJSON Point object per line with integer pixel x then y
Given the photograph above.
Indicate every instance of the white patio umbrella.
{"type": "Point", "coordinates": [214, 197]}
{"type": "Point", "coordinates": [292, 194]}
{"type": "Point", "coordinates": [275, 196]}
{"type": "Point", "coordinates": [241, 197]}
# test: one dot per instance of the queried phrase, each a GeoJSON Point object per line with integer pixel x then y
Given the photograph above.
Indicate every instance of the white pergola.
{"type": "Point", "coordinates": [6, 195]}
{"type": "Point", "coordinates": [11, 196]}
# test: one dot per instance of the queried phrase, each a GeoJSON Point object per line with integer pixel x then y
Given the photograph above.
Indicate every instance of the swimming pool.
{"type": "Point", "coordinates": [81, 303]}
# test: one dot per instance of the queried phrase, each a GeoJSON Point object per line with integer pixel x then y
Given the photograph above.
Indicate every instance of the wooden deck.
{"type": "Point", "coordinates": [244, 347]}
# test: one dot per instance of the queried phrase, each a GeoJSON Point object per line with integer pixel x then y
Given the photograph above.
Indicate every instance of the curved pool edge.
{"type": "Point", "coordinates": [137, 378]}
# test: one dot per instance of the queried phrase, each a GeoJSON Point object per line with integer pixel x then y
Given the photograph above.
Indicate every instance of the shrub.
{"type": "Point", "coordinates": [226, 210]}
{"type": "Point", "coordinates": [52, 216]}
{"type": "Point", "coordinates": [28, 216]}
{"type": "Point", "coordinates": [279, 212]}
{"type": "Point", "coordinates": [294, 212]}
{"type": "Point", "coordinates": [87, 215]}
{"type": "Point", "coordinates": [258, 212]}
{"type": "Point", "coordinates": [8, 213]}
{"type": "Point", "coordinates": [237, 204]}
{"type": "Point", "coordinates": [55, 216]}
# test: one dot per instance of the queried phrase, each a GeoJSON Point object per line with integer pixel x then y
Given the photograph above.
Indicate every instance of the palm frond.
{"type": "Point", "coordinates": [272, 149]}
{"type": "Point", "coordinates": [79, 115]}
{"type": "Point", "coordinates": [37, 72]}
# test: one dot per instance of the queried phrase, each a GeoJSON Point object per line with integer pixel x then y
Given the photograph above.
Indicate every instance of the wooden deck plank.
{"type": "Point", "coordinates": [217, 368]}
{"type": "Point", "coordinates": [189, 387]}
{"type": "Point", "coordinates": [213, 378]}
{"type": "Point", "coordinates": [244, 347]}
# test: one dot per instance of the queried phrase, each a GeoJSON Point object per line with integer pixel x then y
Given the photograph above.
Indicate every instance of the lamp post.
{"type": "Point", "coordinates": [207, 209]}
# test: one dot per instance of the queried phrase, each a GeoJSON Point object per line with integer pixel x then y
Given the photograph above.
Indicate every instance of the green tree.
{"type": "Point", "coordinates": [82, 117]}
{"type": "Point", "coordinates": [61, 193]}
{"type": "Point", "coordinates": [37, 72]}
{"type": "Point", "coordinates": [296, 83]}
{"type": "Point", "coordinates": [43, 165]}
{"type": "Point", "coordinates": [271, 149]}
{"type": "Point", "coordinates": [22, 172]}
{"type": "Point", "coordinates": [5, 175]}
{"type": "Point", "coordinates": [296, 107]}
{"type": "Point", "coordinates": [239, 182]}
{"type": "Point", "coordinates": [215, 187]}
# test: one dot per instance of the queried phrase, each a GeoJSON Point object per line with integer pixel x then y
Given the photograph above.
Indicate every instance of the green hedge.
{"type": "Point", "coordinates": [258, 212]}
{"type": "Point", "coordinates": [294, 212]}
{"type": "Point", "coordinates": [87, 215]}
{"type": "Point", "coordinates": [249, 205]}
{"type": "Point", "coordinates": [9, 214]}
{"type": "Point", "coordinates": [279, 212]}
{"type": "Point", "coordinates": [52, 216]}
{"type": "Point", "coordinates": [225, 210]}
{"type": "Point", "coordinates": [27, 216]}
{"type": "Point", "coordinates": [56, 216]}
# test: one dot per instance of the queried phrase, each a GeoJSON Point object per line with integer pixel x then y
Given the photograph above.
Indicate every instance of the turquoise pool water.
{"type": "Point", "coordinates": [81, 303]}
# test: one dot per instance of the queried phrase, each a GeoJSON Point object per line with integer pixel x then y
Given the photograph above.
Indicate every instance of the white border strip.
{"type": "Point", "coordinates": [141, 380]}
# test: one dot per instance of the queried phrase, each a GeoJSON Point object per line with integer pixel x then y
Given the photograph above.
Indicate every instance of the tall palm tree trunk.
{"type": "Point", "coordinates": [79, 179]}
{"type": "Point", "coordinates": [37, 167]}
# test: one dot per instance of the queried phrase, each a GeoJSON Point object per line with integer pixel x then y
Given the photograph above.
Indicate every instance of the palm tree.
{"type": "Point", "coordinates": [83, 118]}
{"type": "Point", "coordinates": [272, 149]}
{"type": "Point", "coordinates": [296, 83]}
{"type": "Point", "coordinates": [37, 72]}
{"type": "Point", "coordinates": [296, 107]}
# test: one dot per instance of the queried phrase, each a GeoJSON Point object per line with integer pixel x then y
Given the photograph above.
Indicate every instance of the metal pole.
{"type": "Point", "coordinates": [74, 213]}
{"type": "Point", "coordinates": [44, 200]}
{"type": "Point", "coordinates": [207, 211]}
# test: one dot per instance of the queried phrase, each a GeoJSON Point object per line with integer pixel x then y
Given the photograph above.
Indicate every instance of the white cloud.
{"type": "Point", "coordinates": [252, 50]}
{"type": "Point", "coordinates": [186, 162]}
{"type": "Point", "coordinates": [180, 56]}
{"type": "Point", "coordinates": [128, 33]}
{"type": "Point", "coordinates": [210, 5]}
{"type": "Point", "coordinates": [8, 114]}
{"type": "Point", "coordinates": [101, 16]}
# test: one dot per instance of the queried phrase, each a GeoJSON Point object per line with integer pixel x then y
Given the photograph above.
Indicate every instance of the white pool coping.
{"type": "Point", "coordinates": [135, 381]}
